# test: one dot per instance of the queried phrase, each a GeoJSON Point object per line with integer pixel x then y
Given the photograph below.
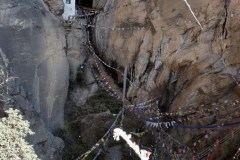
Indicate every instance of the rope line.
{"type": "Point", "coordinates": [189, 7]}
{"type": "Point", "coordinates": [215, 150]}
{"type": "Point", "coordinates": [91, 49]}
{"type": "Point", "coordinates": [227, 124]}
{"type": "Point", "coordinates": [176, 141]}
{"type": "Point", "coordinates": [168, 114]}
{"type": "Point", "coordinates": [206, 152]}
{"type": "Point", "coordinates": [85, 155]}
{"type": "Point", "coordinates": [142, 106]}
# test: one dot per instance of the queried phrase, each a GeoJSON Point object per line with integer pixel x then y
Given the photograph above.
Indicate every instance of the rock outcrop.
{"type": "Point", "coordinates": [83, 85]}
{"type": "Point", "coordinates": [33, 43]}
{"type": "Point", "coordinates": [13, 95]}
{"type": "Point", "coordinates": [166, 47]}
{"type": "Point", "coordinates": [55, 6]}
{"type": "Point", "coordinates": [32, 50]}
{"type": "Point", "coordinates": [170, 55]}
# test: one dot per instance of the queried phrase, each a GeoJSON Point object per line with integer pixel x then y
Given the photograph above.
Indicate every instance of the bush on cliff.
{"type": "Point", "coordinates": [13, 130]}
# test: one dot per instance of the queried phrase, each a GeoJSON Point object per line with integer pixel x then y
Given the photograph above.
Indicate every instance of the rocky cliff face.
{"type": "Point", "coordinates": [32, 49]}
{"type": "Point", "coordinates": [164, 45]}
{"type": "Point", "coordinates": [170, 56]}
{"type": "Point", "coordinates": [33, 42]}
{"type": "Point", "coordinates": [166, 48]}
{"type": "Point", "coordinates": [167, 53]}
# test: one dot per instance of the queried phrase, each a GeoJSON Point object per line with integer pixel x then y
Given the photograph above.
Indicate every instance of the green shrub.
{"type": "Point", "coordinates": [13, 130]}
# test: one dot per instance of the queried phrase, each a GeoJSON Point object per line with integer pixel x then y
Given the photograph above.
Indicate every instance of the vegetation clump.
{"type": "Point", "coordinates": [13, 130]}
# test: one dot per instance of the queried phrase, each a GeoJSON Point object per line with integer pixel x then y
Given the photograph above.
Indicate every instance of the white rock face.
{"type": "Point", "coordinates": [33, 41]}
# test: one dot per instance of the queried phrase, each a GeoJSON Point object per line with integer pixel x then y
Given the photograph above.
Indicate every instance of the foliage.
{"type": "Point", "coordinates": [13, 130]}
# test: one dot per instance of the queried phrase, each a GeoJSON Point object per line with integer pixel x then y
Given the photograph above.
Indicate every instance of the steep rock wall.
{"type": "Point", "coordinates": [166, 47]}
{"type": "Point", "coordinates": [32, 50]}
{"type": "Point", "coordinates": [33, 41]}
{"type": "Point", "coordinates": [170, 55]}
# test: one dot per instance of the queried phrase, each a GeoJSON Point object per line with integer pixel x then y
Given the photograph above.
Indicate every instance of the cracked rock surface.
{"type": "Point", "coordinates": [166, 47]}
{"type": "Point", "coordinates": [170, 56]}
{"type": "Point", "coordinates": [32, 49]}
{"type": "Point", "coordinates": [32, 42]}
